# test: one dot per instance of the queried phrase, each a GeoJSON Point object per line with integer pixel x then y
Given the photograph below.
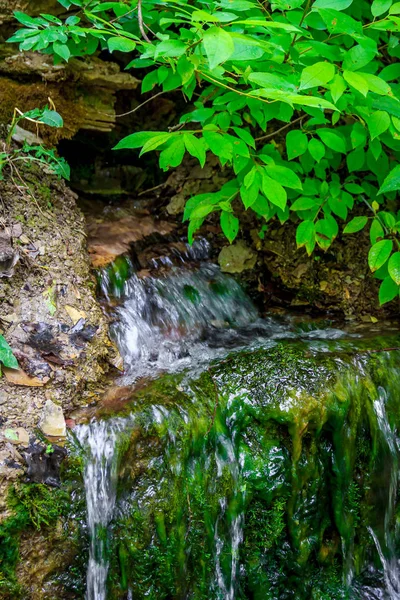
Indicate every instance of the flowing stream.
{"type": "Point", "coordinates": [256, 459]}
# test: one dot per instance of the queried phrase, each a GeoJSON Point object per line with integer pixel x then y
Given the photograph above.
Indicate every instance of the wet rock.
{"type": "Point", "coordinates": [109, 239]}
{"type": "Point", "coordinates": [8, 255]}
{"type": "Point", "coordinates": [237, 258]}
{"type": "Point", "coordinates": [52, 422]}
{"type": "Point", "coordinates": [44, 464]}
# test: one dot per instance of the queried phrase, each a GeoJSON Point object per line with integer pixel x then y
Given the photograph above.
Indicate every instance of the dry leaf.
{"type": "Point", "coordinates": [75, 314]}
{"type": "Point", "coordinates": [19, 377]}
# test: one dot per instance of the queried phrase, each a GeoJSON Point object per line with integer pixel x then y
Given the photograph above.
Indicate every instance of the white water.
{"type": "Point", "coordinates": [385, 544]}
{"type": "Point", "coordinates": [99, 439]}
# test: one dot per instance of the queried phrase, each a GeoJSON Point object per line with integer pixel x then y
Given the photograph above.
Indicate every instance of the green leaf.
{"type": "Point", "coordinates": [376, 84]}
{"type": "Point", "coordinates": [356, 224]}
{"type": "Point", "coordinates": [335, 4]}
{"type": "Point", "coordinates": [356, 81]}
{"type": "Point", "coordinates": [273, 190]}
{"type": "Point", "coordinates": [154, 142]}
{"type": "Point", "coordinates": [137, 140]}
{"type": "Point", "coordinates": [338, 206]}
{"type": "Point", "coordinates": [272, 81]}
{"type": "Point", "coordinates": [218, 46]}
{"type": "Point", "coordinates": [388, 290]}
{"type": "Point", "coordinates": [62, 50]}
{"type": "Point", "coordinates": [337, 87]}
{"type": "Point", "coordinates": [245, 136]}
{"type": "Point", "coordinates": [379, 7]}
{"type": "Point", "coordinates": [338, 22]}
{"type": "Point", "coordinates": [392, 181]}
{"type": "Point", "coordinates": [357, 57]}
{"type": "Point", "coordinates": [378, 123]}
{"type": "Point", "coordinates": [304, 203]}
{"type": "Point", "coordinates": [318, 74]}
{"type": "Point", "coordinates": [332, 140]}
{"type": "Point", "coordinates": [316, 149]}
{"type": "Point", "coordinates": [195, 146]}
{"type": "Point", "coordinates": [120, 44]}
{"type": "Point", "coordinates": [285, 176]}
{"type": "Point", "coordinates": [173, 155]}
{"type": "Point", "coordinates": [355, 160]}
{"type": "Point", "coordinates": [325, 231]}
{"type": "Point", "coordinates": [305, 236]}
{"type": "Point", "coordinates": [394, 267]}
{"type": "Point", "coordinates": [379, 253]}
{"type": "Point", "coordinates": [229, 225]}
{"type": "Point", "coordinates": [6, 355]}
{"type": "Point", "coordinates": [194, 225]}
{"type": "Point", "coordinates": [51, 118]}
{"type": "Point", "coordinates": [296, 144]}
{"type": "Point", "coordinates": [376, 231]}
{"type": "Point", "coordinates": [26, 20]}
{"type": "Point", "coordinates": [219, 144]}
{"type": "Point", "coordinates": [358, 135]}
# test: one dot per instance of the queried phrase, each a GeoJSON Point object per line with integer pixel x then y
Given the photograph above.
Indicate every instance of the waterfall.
{"type": "Point", "coordinates": [261, 457]}
{"type": "Point", "coordinates": [100, 477]}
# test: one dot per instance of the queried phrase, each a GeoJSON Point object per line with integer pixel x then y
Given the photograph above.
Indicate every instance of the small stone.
{"type": "Point", "coordinates": [3, 398]}
{"type": "Point", "coordinates": [52, 422]}
{"type": "Point", "coordinates": [23, 436]}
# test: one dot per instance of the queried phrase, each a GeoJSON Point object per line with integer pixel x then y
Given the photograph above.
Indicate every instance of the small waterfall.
{"type": "Point", "coordinates": [100, 477]}
{"type": "Point", "coordinates": [229, 459]}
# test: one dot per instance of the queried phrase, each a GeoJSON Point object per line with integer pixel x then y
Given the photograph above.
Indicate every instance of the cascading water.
{"type": "Point", "coordinates": [99, 439]}
{"type": "Point", "coordinates": [257, 458]}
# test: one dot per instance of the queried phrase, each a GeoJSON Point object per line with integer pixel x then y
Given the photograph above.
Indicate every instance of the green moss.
{"type": "Point", "coordinates": [32, 506]}
{"type": "Point", "coordinates": [284, 442]}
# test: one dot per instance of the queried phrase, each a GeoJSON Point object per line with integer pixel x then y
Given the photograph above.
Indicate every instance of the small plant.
{"type": "Point", "coordinates": [11, 157]}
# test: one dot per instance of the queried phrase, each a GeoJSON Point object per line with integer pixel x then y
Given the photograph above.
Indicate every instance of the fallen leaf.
{"type": "Point", "coordinates": [19, 377]}
{"type": "Point", "coordinates": [74, 314]}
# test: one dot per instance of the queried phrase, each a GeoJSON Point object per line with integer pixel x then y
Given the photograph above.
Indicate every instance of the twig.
{"type": "Point", "coordinates": [136, 107]}
{"type": "Point", "coordinates": [141, 23]}
{"type": "Point", "coordinates": [156, 187]}
{"type": "Point", "coordinates": [269, 135]}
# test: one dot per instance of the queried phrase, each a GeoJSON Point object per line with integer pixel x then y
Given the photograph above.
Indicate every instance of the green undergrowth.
{"type": "Point", "coordinates": [282, 447]}
{"type": "Point", "coordinates": [34, 508]}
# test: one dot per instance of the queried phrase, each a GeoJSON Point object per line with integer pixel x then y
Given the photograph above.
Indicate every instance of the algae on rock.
{"type": "Point", "coordinates": [259, 479]}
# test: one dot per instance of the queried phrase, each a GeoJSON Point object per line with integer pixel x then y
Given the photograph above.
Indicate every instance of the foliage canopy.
{"type": "Point", "coordinates": [300, 97]}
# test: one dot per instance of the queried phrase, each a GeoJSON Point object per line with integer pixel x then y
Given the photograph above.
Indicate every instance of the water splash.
{"type": "Point", "coordinates": [185, 319]}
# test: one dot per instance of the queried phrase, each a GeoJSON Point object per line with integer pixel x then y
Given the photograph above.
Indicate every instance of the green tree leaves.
{"type": "Point", "coordinates": [218, 45]}
{"type": "Point", "coordinates": [303, 113]}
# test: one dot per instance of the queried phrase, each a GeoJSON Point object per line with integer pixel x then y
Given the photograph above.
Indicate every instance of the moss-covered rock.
{"type": "Point", "coordinates": [259, 479]}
